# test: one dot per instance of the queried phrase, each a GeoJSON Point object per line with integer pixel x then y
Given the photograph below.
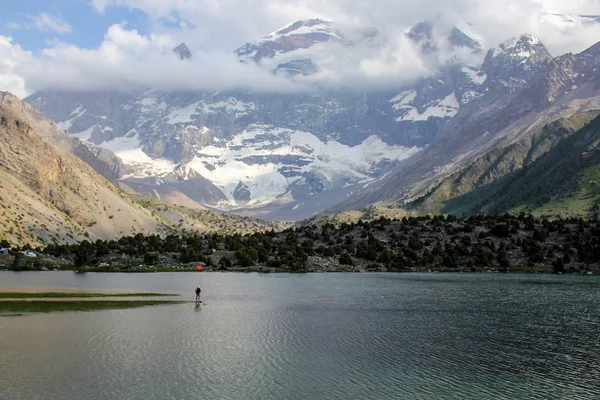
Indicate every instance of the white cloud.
{"type": "Point", "coordinates": [13, 26]}
{"type": "Point", "coordinates": [128, 59]}
{"type": "Point", "coordinates": [46, 22]}
{"type": "Point", "coordinates": [12, 58]}
{"type": "Point", "coordinates": [231, 22]}
{"type": "Point", "coordinates": [227, 24]}
{"type": "Point", "coordinates": [583, 7]}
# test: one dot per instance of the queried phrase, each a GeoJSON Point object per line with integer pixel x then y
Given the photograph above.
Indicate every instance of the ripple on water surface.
{"type": "Point", "coordinates": [367, 336]}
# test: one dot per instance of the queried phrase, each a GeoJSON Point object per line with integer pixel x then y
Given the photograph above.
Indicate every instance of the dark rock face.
{"type": "Point", "coordinates": [183, 52]}
{"type": "Point", "coordinates": [242, 193]}
{"type": "Point", "coordinates": [422, 34]}
{"type": "Point", "coordinates": [461, 39]}
{"type": "Point", "coordinates": [303, 67]}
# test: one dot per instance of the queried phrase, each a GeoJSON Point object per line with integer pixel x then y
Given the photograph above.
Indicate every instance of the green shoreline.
{"type": "Point", "coordinates": [40, 306]}
{"type": "Point", "coordinates": [21, 303]}
{"type": "Point", "coordinates": [58, 295]}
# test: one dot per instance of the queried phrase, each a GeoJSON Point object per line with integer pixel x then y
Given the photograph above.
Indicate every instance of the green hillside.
{"type": "Point", "coordinates": [552, 172]}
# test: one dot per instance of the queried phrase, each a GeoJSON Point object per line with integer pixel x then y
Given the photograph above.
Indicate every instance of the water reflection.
{"type": "Point", "coordinates": [321, 336]}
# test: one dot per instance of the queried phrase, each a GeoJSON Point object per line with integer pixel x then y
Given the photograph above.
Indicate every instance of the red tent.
{"type": "Point", "coordinates": [199, 268]}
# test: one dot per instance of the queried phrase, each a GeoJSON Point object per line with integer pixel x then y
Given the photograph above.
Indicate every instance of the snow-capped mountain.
{"type": "Point", "coordinates": [204, 145]}
{"type": "Point", "coordinates": [287, 49]}
{"type": "Point", "coordinates": [492, 140]}
{"type": "Point", "coordinates": [291, 156]}
{"type": "Point", "coordinates": [514, 62]}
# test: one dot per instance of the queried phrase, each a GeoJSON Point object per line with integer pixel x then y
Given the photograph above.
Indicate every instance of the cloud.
{"type": "Point", "coordinates": [581, 7]}
{"type": "Point", "coordinates": [231, 22]}
{"type": "Point", "coordinates": [13, 26]}
{"type": "Point", "coordinates": [127, 59]}
{"type": "Point", "coordinates": [12, 58]}
{"type": "Point", "coordinates": [46, 22]}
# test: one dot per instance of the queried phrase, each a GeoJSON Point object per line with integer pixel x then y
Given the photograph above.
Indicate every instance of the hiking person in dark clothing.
{"type": "Point", "coordinates": [198, 290]}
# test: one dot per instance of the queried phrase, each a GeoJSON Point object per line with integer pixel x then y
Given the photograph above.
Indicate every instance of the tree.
{"type": "Point", "coordinates": [308, 247]}
{"type": "Point", "coordinates": [502, 259]}
{"type": "Point", "coordinates": [151, 259]}
{"type": "Point", "coordinates": [559, 265]}
{"type": "Point", "coordinates": [244, 258]}
{"type": "Point", "coordinates": [346, 259]}
{"type": "Point", "coordinates": [501, 230]}
{"type": "Point", "coordinates": [385, 257]}
{"type": "Point", "coordinates": [225, 263]}
{"type": "Point", "coordinates": [82, 256]}
{"type": "Point", "coordinates": [17, 263]}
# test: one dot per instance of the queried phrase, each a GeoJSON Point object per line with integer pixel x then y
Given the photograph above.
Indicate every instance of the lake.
{"type": "Point", "coordinates": [311, 336]}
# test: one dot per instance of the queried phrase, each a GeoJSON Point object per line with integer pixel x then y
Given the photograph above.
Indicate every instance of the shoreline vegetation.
{"type": "Point", "coordinates": [500, 243]}
{"type": "Point", "coordinates": [62, 295]}
{"type": "Point", "coordinates": [21, 303]}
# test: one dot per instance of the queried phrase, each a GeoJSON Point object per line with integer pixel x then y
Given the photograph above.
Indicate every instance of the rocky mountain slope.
{"type": "Point", "coordinates": [507, 128]}
{"type": "Point", "coordinates": [563, 181]}
{"type": "Point", "coordinates": [102, 160]}
{"type": "Point", "coordinates": [547, 173]}
{"type": "Point", "coordinates": [48, 195]}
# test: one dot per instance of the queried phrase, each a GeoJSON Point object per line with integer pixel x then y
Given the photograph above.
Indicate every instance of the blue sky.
{"type": "Point", "coordinates": [78, 22]}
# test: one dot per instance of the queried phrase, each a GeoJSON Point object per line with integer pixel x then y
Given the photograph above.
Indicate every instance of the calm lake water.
{"type": "Point", "coordinates": [312, 336]}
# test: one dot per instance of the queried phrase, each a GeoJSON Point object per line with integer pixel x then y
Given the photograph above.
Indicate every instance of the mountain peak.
{"type": "Point", "coordinates": [183, 52]}
{"type": "Point", "coordinates": [513, 62]}
{"type": "Point", "coordinates": [282, 44]}
{"type": "Point", "coordinates": [422, 34]}
{"type": "Point", "coordinates": [309, 25]}
{"type": "Point", "coordinates": [463, 37]}
{"type": "Point", "coordinates": [421, 31]}
{"type": "Point", "coordinates": [521, 46]}
{"type": "Point", "coordinates": [430, 37]}
{"type": "Point", "coordinates": [523, 49]}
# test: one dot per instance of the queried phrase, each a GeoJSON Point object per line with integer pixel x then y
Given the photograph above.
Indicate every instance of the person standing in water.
{"type": "Point", "coordinates": [198, 290]}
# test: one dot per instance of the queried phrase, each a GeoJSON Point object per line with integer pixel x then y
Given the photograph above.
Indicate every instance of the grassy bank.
{"type": "Point", "coordinates": [39, 306]}
{"type": "Point", "coordinates": [56, 295]}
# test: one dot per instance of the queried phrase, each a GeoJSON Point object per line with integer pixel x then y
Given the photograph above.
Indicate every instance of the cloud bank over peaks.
{"type": "Point", "coordinates": [385, 58]}
{"type": "Point", "coordinates": [128, 60]}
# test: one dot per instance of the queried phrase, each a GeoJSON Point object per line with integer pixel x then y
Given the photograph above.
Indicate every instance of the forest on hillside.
{"type": "Point", "coordinates": [501, 243]}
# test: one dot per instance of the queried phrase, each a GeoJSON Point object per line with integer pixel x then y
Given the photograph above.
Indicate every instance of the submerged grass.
{"type": "Point", "coordinates": [56, 295]}
{"type": "Point", "coordinates": [8, 308]}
